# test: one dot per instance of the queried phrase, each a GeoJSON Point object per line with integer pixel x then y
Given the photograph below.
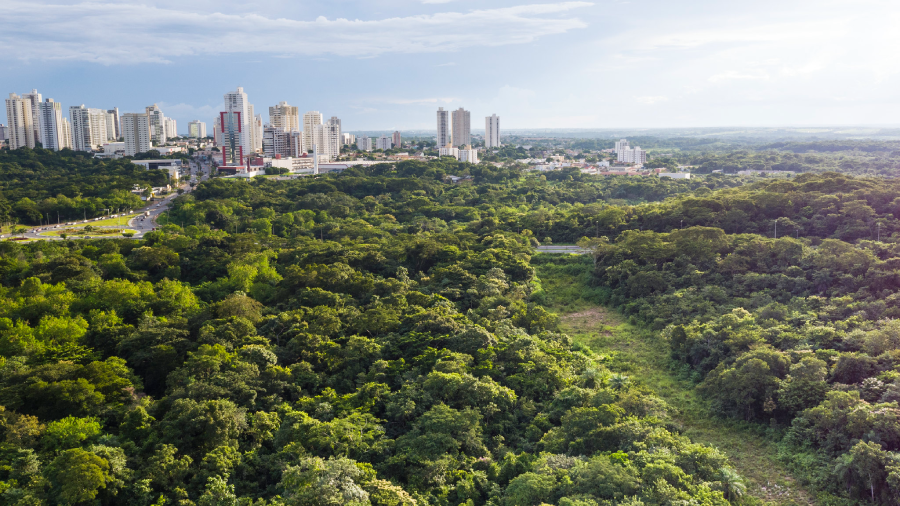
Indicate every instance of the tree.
{"type": "Point", "coordinates": [76, 476]}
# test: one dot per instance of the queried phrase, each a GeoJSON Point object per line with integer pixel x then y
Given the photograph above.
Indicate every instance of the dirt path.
{"type": "Point", "coordinates": [643, 355]}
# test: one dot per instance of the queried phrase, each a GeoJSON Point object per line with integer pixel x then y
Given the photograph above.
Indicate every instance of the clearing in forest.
{"type": "Point", "coordinates": [643, 356]}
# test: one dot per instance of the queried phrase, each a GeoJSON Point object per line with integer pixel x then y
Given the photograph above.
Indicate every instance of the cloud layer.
{"type": "Point", "coordinates": [120, 33]}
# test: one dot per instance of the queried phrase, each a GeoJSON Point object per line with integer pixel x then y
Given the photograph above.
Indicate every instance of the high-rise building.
{"type": "Point", "coordinates": [34, 99]}
{"type": "Point", "coordinates": [285, 117]}
{"type": "Point", "coordinates": [217, 131]}
{"type": "Point", "coordinates": [157, 125]}
{"type": "Point", "coordinates": [297, 147]}
{"type": "Point", "coordinates": [197, 129]}
{"type": "Point", "coordinates": [88, 128]}
{"type": "Point", "coordinates": [21, 122]}
{"type": "Point", "coordinates": [256, 130]}
{"type": "Point", "coordinates": [171, 128]}
{"type": "Point", "coordinates": [52, 130]}
{"type": "Point", "coordinates": [67, 133]}
{"type": "Point", "coordinates": [383, 143]}
{"type": "Point", "coordinates": [116, 120]}
{"type": "Point", "coordinates": [136, 131]}
{"type": "Point", "coordinates": [443, 127]}
{"type": "Point", "coordinates": [492, 131]}
{"type": "Point", "coordinates": [395, 139]}
{"type": "Point", "coordinates": [621, 146]}
{"type": "Point", "coordinates": [348, 139]}
{"type": "Point", "coordinates": [462, 128]}
{"type": "Point", "coordinates": [332, 138]}
{"type": "Point", "coordinates": [467, 154]}
{"type": "Point", "coordinates": [276, 142]}
{"type": "Point", "coordinates": [311, 119]}
{"type": "Point", "coordinates": [634, 155]}
{"type": "Point", "coordinates": [111, 126]}
{"type": "Point", "coordinates": [364, 143]}
{"type": "Point", "coordinates": [235, 123]}
{"type": "Point", "coordinates": [4, 132]}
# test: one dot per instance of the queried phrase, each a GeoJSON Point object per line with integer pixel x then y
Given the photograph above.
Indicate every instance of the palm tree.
{"type": "Point", "coordinates": [735, 486]}
{"type": "Point", "coordinates": [618, 381]}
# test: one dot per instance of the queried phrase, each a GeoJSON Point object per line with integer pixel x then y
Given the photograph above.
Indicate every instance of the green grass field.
{"type": "Point", "coordinates": [643, 355]}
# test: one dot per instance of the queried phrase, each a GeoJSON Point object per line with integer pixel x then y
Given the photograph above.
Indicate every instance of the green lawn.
{"type": "Point", "coordinates": [80, 231]}
{"type": "Point", "coordinates": [121, 221]}
{"type": "Point", "coordinates": [644, 356]}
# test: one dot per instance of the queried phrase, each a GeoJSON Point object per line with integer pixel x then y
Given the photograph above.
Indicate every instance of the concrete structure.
{"type": "Point", "coordinates": [276, 142]}
{"type": "Point", "coordinates": [116, 121]}
{"type": "Point", "coordinates": [4, 132]}
{"type": "Point", "coordinates": [21, 122]}
{"type": "Point", "coordinates": [67, 133]}
{"type": "Point", "coordinates": [383, 143]}
{"type": "Point", "coordinates": [634, 155]}
{"type": "Point", "coordinates": [171, 166]}
{"type": "Point", "coordinates": [364, 143]}
{"type": "Point", "coordinates": [331, 137]}
{"type": "Point", "coordinates": [348, 139]}
{"type": "Point", "coordinates": [462, 128]}
{"type": "Point", "coordinates": [676, 175]}
{"type": "Point", "coordinates": [467, 154]}
{"type": "Point", "coordinates": [171, 128]}
{"type": "Point", "coordinates": [395, 139]}
{"type": "Point", "coordinates": [111, 126]}
{"type": "Point", "coordinates": [443, 127]}
{"type": "Point", "coordinates": [256, 131]}
{"type": "Point", "coordinates": [136, 131]}
{"type": "Point", "coordinates": [34, 100]}
{"type": "Point", "coordinates": [234, 136]}
{"type": "Point", "coordinates": [492, 131]}
{"type": "Point", "coordinates": [311, 120]}
{"type": "Point", "coordinates": [449, 151]}
{"type": "Point", "coordinates": [285, 117]}
{"type": "Point", "coordinates": [621, 146]}
{"type": "Point", "coordinates": [53, 135]}
{"type": "Point", "coordinates": [197, 129]}
{"type": "Point", "coordinates": [157, 125]}
{"type": "Point", "coordinates": [88, 128]}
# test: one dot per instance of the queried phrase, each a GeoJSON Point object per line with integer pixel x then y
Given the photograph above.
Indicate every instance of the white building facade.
{"type": "Point", "coordinates": [197, 129]}
{"type": "Point", "coordinates": [53, 130]}
{"type": "Point", "coordinates": [383, 143]}
{"type": "Point", "coordinates": [462, 128]}
{"type": "Point", "coordinates": [21, 122]}
{"type": "Point", "coordinates": [364, 143]}
{"type": "Point", "coordinates": [136, 131]}
{"type": "Point", "coordinates": [235, 123]}
{"type": "Point", "coordinates": [443, 127]}
{"type": "Point", "coordinates": [88, 128]}
{"type": "Point", "coordinates": [492, 131]}
{"type": "Point", "coordinates": [311, 121]}
{"type": "Point", "coordinates": [157, 125]}
{"type": "Point", "coordinates": [285, 117]}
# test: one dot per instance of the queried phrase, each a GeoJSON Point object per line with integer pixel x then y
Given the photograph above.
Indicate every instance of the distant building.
{"type": "Point", "coordinates": [112, 116]}
{"type": "Point", "coordinates": [311, 120]}
{"type": "Point", "coordinates": [53, 130]}
{"type": "Point", "coordinates": [256, 130]}
{"type": "Point", "coordinates": [197, 129]}
{"type": "Point", "coordinates": [383, 143]}
{"type": "Point", "coordinates": [136, 131]}
{"type": "Point", "coordinates": [395, 139]}
{"type": "Point", "coordinates": [462, 128]}
{"type": "Point", "coordinates": [443, 127]}
{"type": "Point", "coordinates": [285, 117]}
{"type": "Point", "coordinates": [88, 128]}
{"type": "Point", "coordinates": [20, 116]}
{"type": "Point", "coordinates": [276, 142]}
{"type": "Point", "coordinates": [449, 151]}
{"type": "Point", "coordinates": [492, 131]}
{"type": "Point", "coordinates": [171, 128]}
{"type": "Point", "coordinates": [364, 143]}
{"type": "Point", "coordinates": [332, 138]}
{"type": "Point", "coordinates": [348, 139]}
{"type": "Point", "coordinates": [676, 175]}
{"type": "Point", "coordinates": [467, 154]}
{"type": "Point", "coordinates": [634, 155]}
{"type": "Point", "coordinates": [157, 124]}
{"type": "Point", "coordinates": [4, 132]}
{"type": "Point", "coordinates": [172, 166]}
{"type": "Point", "coordinates": [621, 145]}
{"type": "Point", "coordinates": [234, 123]}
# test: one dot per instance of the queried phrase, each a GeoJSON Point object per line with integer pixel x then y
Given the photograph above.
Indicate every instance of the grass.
{"type": "Point", "coordinates": [643, 355]}
{"type": "Point", "coordinates": [121, 221]}
{"type": "Point", "coordinates": [73, 232]}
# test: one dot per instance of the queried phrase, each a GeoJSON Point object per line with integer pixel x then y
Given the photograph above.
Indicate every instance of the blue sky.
{"type": "Point", "coordinates": [387, 65]}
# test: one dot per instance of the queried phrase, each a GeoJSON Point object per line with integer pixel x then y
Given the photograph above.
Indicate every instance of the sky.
{"type": "Point", "coordinates": [389, 64]}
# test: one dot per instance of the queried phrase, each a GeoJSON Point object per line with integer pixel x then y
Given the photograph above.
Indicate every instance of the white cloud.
{"type": "Point", "coordinates": [650, 100]}
{"type": "Point", "coordinates": [450, 64]}
{"type": "Point", "coordinates": [731, 75]}
{"type": "Point", "coordinates": [436, 1]}
{"type": "Point", "coordinates": [120, 33]}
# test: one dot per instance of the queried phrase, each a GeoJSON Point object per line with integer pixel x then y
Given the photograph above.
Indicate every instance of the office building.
{"type": "Point", "coordinates": [364, 143]}
{"type": "Point", "coordinates": [276, 142]}
{"type": "Point", "coordinates": [171, 128]}
{"type": "Point", "coordinates": [462, 128]}
{"type": "Point", "coordinates": [197, 129]}
{"type": "Point", "coordinates": [21, 122]}
{"type": "Point", "coordinates": [285, 117]}
{"type": "Point", "coordinates": [4, 132]}
{"type": "Point", "coordinates": [383, 143]}
{"type": "Point", "coordinates": [332, 138]}
{"type": "Point", "coordinates": [395, 139]}
{"type": "Point", "coordinates": [235, 123]}
{"type": "Point", "coordinates": [53, 135]}
{"type": "Point", "coordinates": [157, 125]}
{"type": "Point", "coordinates": [348, 139]}
{"type": "Point", "coordinates": [492, 131]}
{"type": "Point", "coordinates": [88, 128]}
{"type": "Point", "coordinates": [310, 120]}
{"type": "Point", "coordinates": [116, 121]}
{"type": "Point", "coordinates": [467, 154]}
{"type": "Point", "coordinates": [443, 127]}
{"type": "Point", "coordinates": [136, 131]}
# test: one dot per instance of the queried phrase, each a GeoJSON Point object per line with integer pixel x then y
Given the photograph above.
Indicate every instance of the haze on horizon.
{"type": "Point", "coordinates": [390, 64]}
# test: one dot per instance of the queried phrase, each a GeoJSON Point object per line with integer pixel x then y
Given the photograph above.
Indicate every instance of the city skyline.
{"type": "Point", "coordinates": [546, 65]}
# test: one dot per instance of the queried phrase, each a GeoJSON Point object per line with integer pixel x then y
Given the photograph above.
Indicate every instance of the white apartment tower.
{"type": "Point", "coordinates": [116, 120]}
{"type": "Point", "coordinates": [364, 143]}
{"type": "Point", "coordinates": [492, 131]}
{"type": "Point", "coordinates": [157, 125]}
{"type": "Point", "coordinates": [332, 138]}
{"type": "Point", "coordinates": [285, 117]}
{"type": "Point", "coordinates": [235, 123]}
{"type": "Point", "coordinates": [396, 140]}
{"type": "Point", "coordinates": [136, 131]}
{"type": "Point", "coordinates": [88, 128]}
{"type": "Point", "coordinates": [621, 146]}
{"type": "Point", "coordinates": [462, 128]}
{"type": "Point", "coordinates": [21, 122]}
{"type": "Point", "coordinates": [634, 155]}
{"type": "Point", "coordinates": [34, 99]}
{"type": "Point", "coordinates": [53, 130]}
{"type": "Point", "coordinates": [171, 128]}
{"type": "Point", "coordinates": [197, 129]}
{"type": "Point", "coordinates": [256, 130]}
{"type": "Point", "coordinates": [443, 127]}
{"type": "Point", "coordinates": [311, 120]}
{"type": "Point", "coordinates": [348, 139]}
{"type": "Point", "coordinates": [383, 142]}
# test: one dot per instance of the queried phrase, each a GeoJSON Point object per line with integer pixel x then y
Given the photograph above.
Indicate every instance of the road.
{"type": "Point", "coordinates": [560, 249]}
{"type": "Point", "coordinates": [141, 224]}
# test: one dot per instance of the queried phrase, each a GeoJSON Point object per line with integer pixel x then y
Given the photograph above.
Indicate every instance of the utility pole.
{"type": "Point", "coordinates": [776, 229]}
